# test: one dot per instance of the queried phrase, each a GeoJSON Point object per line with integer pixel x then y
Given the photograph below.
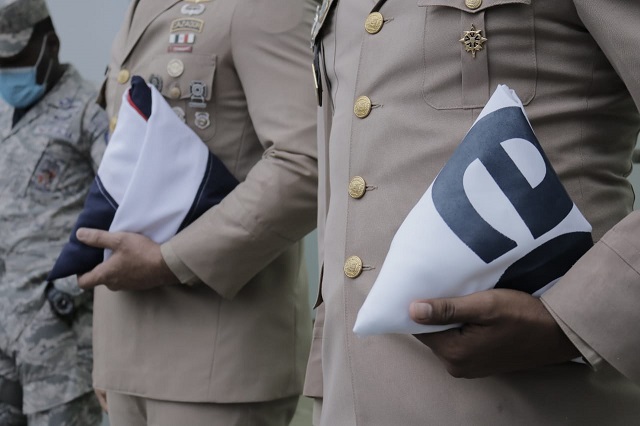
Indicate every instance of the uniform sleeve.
{"type": "Point", "coordinates": [598, 300]}
{"type": "Point", "coordinates": [95, 128]}
{"type": "Point", "coordinates": [276, 204]}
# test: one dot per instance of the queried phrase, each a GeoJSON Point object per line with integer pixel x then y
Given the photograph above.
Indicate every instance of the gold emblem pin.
{"type": "Point", "coordinates": [473, 40]}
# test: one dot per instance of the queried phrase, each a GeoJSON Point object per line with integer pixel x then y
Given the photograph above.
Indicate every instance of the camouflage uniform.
{"type": "Point", "coordinates": [47, 163]}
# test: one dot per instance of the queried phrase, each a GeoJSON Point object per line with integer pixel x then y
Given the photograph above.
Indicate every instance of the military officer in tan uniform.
{"type": "Point", "coordinates": [222, 337]}
{"type": "Point", "coordinates": [402, 82]}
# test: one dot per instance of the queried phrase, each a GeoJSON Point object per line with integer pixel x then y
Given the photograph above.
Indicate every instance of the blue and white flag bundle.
{"type": "Point", "coordinates": [495, 216]}
{"type": "Point", "coordinates": [156, 177]}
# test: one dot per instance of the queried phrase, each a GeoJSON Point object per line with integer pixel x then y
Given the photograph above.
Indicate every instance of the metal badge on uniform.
{"type": "Point", "coordinates": [472, 40]}
{"type": "Point", "coordinates": [202, 120]}
{"type": "Point", "coordinates": [193, 9]}
{"type": "Point", "coordinates": [198, 91]}
{"type": "Point", "coordinates": [187, 24]}
{"type": "Point", "coordinates": [156, 81]}
{"type": "Point", "coordinates": [175, 68]}
{"type": "Point", "coordinates": [180, 113]}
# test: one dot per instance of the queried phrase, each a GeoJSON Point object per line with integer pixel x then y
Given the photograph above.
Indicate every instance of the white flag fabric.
{"type": "Point", "coordinates": [156, 177]}
{"type": "Point", "coordinates": [495, 216]}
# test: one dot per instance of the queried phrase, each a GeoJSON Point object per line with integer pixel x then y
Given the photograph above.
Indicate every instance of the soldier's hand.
{"type": "Point", "coordinates": [503, 330]}
{"type": "Point", "coordinates": [136, 262]}
{"type": "Point", "coordinates": [102, 398]}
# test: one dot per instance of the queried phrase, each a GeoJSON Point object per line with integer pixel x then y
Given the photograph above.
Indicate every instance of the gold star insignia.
{"type": "Point", "coordinates": [472, 40]}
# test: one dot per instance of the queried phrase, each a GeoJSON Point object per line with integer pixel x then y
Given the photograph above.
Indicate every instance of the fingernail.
{"type": "Point", "coordinates": [422, 311]}
{"type": "Point", "coordinates": [81, 233]}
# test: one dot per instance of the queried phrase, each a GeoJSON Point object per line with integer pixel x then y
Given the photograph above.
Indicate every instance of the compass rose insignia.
{"type": "Point", "coordinates": [472, 40]}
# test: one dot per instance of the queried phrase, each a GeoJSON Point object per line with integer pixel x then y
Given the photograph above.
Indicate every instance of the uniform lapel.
{"type": "Point", "coordinates": [140, 16]}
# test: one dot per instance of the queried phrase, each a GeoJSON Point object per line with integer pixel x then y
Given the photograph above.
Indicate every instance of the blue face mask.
{"type": "Point", "coordinates": [18, 86]}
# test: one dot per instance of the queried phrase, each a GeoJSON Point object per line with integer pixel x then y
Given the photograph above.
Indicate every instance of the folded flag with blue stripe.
{"type": "Point", "coordinates": [496, 215]}
{"type": "Point", "coordinates": [155, 178]}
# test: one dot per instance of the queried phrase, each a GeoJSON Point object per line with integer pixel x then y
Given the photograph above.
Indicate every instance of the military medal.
{"type": "Point", "coordinates": [156, 81]}
{"type": "Point", "coordinates": [198, 91]}
{"type": "Point", "coordinates": [175, 68]}
{"type": "Point", "coordinates": [202, 120]}
{"type": "Point", "coordinates": [193, 9]}
{"type": "Point", "coordinates": [181, 43]}
{"type": "Point", "coordinates": [185, 38]}
{"type": "Point", "coordinates": [472, 40]}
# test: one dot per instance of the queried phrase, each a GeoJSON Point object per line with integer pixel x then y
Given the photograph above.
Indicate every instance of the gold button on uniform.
{"type": "Point", "coordinates": [374, 23]}
{"type": "Point", "coordinates": [123, 76]}
{"type": "Point", "coordinates": [362, 107]}
{"type": "Point", "coordinates": [353, 267]}
{"type": "Point", "coordinates": [357, 187]}
{"type": "Point", "coordinates": [473, 4]}
{"type": "Point", "coordinates": [174, 93]}
{"type": "Point", "coordinates": [112, 124]}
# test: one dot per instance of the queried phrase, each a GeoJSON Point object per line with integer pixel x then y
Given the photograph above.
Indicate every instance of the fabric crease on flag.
{"type": "Point", "coordinates": [156, 177]}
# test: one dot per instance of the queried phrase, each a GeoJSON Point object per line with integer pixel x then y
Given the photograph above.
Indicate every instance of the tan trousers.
{"type": "Point", "coordinates": [128, 410]}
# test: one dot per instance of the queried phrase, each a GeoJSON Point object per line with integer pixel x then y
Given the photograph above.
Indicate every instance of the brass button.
{"type": "Point", "coordinates": [112, 124]}
{"type": "Point", "coordinates": [357, 187]}
{"type": "Point", "coordinates": [353, 267]}
{"type": "Point", "coordinates": [374, 23]}
{"type": "Point", "coordinates": [123, 76]}
{"type": "Point", "coordinates": [174, 92]}
{"type": "Point", "coordinates": [473, 4]}
{"type": "Point", "coordinates": [362, 107]}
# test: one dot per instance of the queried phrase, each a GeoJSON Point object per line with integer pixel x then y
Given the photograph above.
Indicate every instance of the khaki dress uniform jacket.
{"type": "Point", "coordinates": [574, 64]}
{"type": "Point", "coordinates": [241, 332]}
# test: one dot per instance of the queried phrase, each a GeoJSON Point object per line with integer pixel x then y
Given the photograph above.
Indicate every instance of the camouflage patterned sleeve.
{"type": "Point", "coordinates": [95, 131]}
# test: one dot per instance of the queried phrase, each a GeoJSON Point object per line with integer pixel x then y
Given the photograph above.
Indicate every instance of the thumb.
{"type": "Point", "coordinates": [97, 238]}
{"type": "Point", "coordinates": [454, 310]}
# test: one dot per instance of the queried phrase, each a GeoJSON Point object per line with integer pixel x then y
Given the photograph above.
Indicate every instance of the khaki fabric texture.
{"type": "Point", "coordinates": [572, 63]}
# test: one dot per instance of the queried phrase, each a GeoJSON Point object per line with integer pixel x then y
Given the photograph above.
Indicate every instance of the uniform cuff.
{"type": "Point", "coordinates": [587, 352]}
{"type": "Point", "coordinates": [177, 266]}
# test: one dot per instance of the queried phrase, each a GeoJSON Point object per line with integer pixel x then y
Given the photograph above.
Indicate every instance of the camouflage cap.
{"type": "Point", "coordinates": [17, 18]}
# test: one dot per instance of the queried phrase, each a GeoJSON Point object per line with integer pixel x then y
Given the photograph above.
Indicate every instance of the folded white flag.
{"type": "Point", "coordinates": [495, 216]}
{"type": "Point", "coordinates": [156, 177]}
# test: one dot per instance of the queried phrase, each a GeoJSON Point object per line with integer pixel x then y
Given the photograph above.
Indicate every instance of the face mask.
{"type": "Point", "coordinates": [18, 86]}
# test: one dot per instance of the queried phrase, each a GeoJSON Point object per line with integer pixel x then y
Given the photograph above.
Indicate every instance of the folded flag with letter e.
{"type": "Point", "coordinates": [155, 178]}
{"type": "Point", "coordinates": [496, 215]}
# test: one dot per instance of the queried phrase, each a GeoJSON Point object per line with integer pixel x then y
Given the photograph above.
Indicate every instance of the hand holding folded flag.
{"type": "Point", "coordinates": [156, 177]}
{"type": "Point", "coordinates": [497, 215]}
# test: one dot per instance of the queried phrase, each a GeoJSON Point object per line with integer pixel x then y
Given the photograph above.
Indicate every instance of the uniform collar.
{"type": "Point", "coordinates": [140, 15]}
